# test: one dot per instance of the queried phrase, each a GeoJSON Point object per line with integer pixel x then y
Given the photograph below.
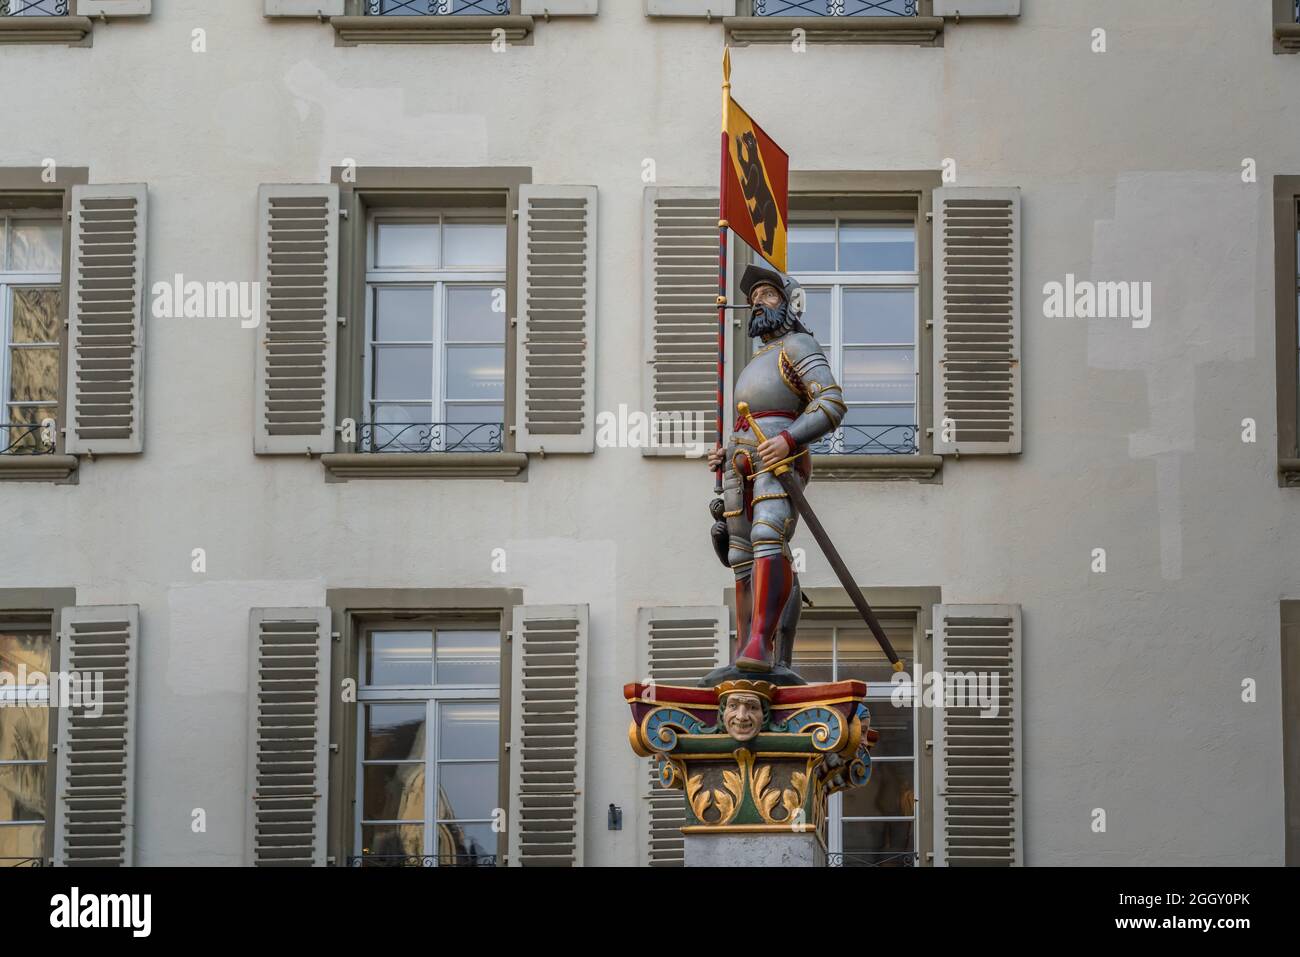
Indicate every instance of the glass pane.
{"type": "Point", "coordinates": [395, 732]}
{"type": "Point", "coordinates": [469, 730]}
{"type": "Point", "coordinates": [879, 315]}
{"type": "Point", "coordinates": [879, 375]}
{"type": "Point", "coordinates": [894, 722]}
{"type": "Point", "coordinates": [30, 649]}
{"type": "Point", "coordinates": [400, 658]}
{"type": "Point", "coordinates": [403, 372]}
{"type": "Point", "coordinates": [879, 844]}
{"type": "Point", "coordinates": [404, 315]}
{"type": "Point", "coordinates": [812, 653]}
{"type": "Point", "coordinates": [402, 245]}
{"type": "Point", "coordinates": [811, 248]}
{"type": "Point", "coordinates": [35, 245]}
{"type": "Point", "coordinates": [19, 844]}
{"type": "Point", "coordinates": [467, 790]}
{"type": "Point", "coordinates": [877, 415]}
{"type": "Point", "coordinates": [34, 374]}
{"type": "Point", "coordinates": [24, 734]}
{"type": "Point", "coordinates": [393, 792]}
{"type": "Point", "coordinates": [466, 845]}
{"type": "Point", "coordinates": [36, 315]}
{"type": "Point", "coordinates": [861, 658]}
{"type": "Point", "coordinates": [470, 317]}
{"type": "Point", "coordinates": [474, 428]}
{"type": "Point", "coordinates": [476, 372]}
{"type": "Point", "coordinates": [22, 792]}
{"type": "Point", "coordinates": [877, 247]}
{"type": "Point", "coordinates": [475, 244]}
{"type": "Point", "coordinates": [469, 657]}
{"type": "Point", "coordinates": [817, 315]}
{"type": "Point", "coordinates": [392, 840]}
{"type": "Point", "coordinates": [889, 793]}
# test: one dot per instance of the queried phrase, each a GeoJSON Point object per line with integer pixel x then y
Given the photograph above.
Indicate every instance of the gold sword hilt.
{"type": "Point", "coordinates": [781, 467]}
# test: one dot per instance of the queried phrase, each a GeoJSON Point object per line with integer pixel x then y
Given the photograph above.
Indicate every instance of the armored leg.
{"type": "Point", "coordinates": [773, 577]}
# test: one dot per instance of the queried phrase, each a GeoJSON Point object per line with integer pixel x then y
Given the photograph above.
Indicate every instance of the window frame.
{"type": "Point", "coordinates": [43, 607]}
{"type": "Point", "coordinates": [440, 279]}
{"type": "Point", "coordinates": [353, 612]}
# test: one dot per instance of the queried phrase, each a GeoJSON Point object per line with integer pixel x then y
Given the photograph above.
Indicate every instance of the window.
{"type": "Point", "coordinates": [429, 743]}
{"type": "Point", "coordinates": [876, 825]}
{"type": "Point", "coordinates": [31, 248]}
{"type": "Point", "coordinates": [26, 651]}
{"type": "Point", "coordinates": [435, 333]}
{"type": "Point", "coordinates": [862, 282]}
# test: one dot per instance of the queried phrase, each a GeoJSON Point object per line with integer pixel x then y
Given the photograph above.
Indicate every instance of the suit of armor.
{"type": "Point", "coordinates": [791, 392]}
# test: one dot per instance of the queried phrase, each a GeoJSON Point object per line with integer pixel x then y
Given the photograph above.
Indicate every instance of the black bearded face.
{"type": "Point", "coordinates": [768, 320]}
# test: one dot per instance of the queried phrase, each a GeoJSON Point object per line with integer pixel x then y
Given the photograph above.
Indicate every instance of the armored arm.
{"type": "Point", "coordinates": [811, 374]}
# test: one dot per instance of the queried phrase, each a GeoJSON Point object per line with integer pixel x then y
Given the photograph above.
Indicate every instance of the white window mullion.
{"type": "Point", "coordinates": [431, 779]}
{"type": "Point", "coordinates": [439, 364]}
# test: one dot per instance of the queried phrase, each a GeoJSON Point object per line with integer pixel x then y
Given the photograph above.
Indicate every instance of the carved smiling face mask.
{"type": "Point", "coordinates": [742, 716]}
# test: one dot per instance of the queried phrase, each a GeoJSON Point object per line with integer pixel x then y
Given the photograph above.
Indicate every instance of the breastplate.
{"type": "Point", "coordinates": [768, 383]}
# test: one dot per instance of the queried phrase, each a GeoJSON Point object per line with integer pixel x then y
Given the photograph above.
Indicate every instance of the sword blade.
{"type": "Point", "coordinates": [790, 483]}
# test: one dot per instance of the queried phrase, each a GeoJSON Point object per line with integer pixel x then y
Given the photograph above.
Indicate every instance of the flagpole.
{"type": "Point", "coordinates": [722, 262]}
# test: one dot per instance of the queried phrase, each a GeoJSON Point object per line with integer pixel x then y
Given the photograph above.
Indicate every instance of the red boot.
{"type": "Point", "coordinates": [744, 607]}
{"type": "Point", "coordinates": [773, 578]}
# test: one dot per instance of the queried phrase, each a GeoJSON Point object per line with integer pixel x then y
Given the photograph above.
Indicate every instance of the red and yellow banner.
{"type": "Point", "coordinates": [755, 180]}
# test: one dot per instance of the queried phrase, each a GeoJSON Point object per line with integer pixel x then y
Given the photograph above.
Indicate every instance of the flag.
{"type": "Point", "coordinates": [755, 180]}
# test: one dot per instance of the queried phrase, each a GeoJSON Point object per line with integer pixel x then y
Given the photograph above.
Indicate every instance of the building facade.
{"type": "Point", "coordinates": [358, 357]}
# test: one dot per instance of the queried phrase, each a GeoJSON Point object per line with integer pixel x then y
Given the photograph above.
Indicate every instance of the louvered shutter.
{"type": "Point", "coordinates": [547, 735]}
{"type": "Point", "coordinates": [979, 807]}
{"type": "Point", "coordinates": [114, 8]}
{"type": "Point", "coordinates": [297, 345]}
{"type": "Point", "coordinates": [302, 8]}
{"type": "Point", "coordinates": [690, 8]}
{"type": "Point", "coordinates": [681, 316]}
{"type": "Point", "coordinates": [560, 8]}
{"type": "Point", "coordinates": [976, 8]}
{"type": "Point", "coordinates": [106, 319]}
{"type": "Point", "coordinates": [288, 735]}
{"type": "Point", "coordinates": [682, 646]}
{"type": "Point", "coordinates": [555, 334]}
{"type": "Point", "coordinates": [94, 821]}
{"type": "Point", "coordinates": [977, 321]}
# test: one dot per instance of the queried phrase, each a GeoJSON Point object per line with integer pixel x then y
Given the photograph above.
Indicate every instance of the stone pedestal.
{"type": "Point", "coordinates": [755, 762]}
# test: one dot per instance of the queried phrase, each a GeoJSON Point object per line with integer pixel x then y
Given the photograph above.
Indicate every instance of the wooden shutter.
{"type": "Point", "coordinates": [681, 315]}
{"type": "Point", "coordinates": [547, 735]}
{"type": "Point", "coordinates": [302, 8]}
{"type": "Point", "coordinates": [106, 319]}
{"type": "Point", "coordinates": [682, 646]}
{"type": "Point", "coordinates": [114, 8]}
{"type": "Point", "coordinates": [297, 345]}
{"type": "Point", "coordinates": [555, 333]}
{"type": "Point", "coordinates": [976, 8]}
{"type": "Point", "coordinates": [288, 736]}
{"type": "Point", "coordinates": [690, 8]}
{"type": "Point", "coordinates": [979, 806]}
{"type": "Point", "coordinates": [560, 8]}
{"type": "Point", "coordinates": [94, 821]}
{"type": "Point", "coordinates": [977, 321]}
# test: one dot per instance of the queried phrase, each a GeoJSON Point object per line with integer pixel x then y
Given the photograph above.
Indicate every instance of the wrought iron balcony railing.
{"type": "Point", "coordinates": [423, 860]}
{"type": "Point", "coordinates": [431, 437]}
{"type": "Point", "coordinates": [869, 440]}
{"type": "Point", "coordinates": [437, 8]}
{"type": "Point", "coordinates": [872, 859]}
{"type": "Point", "coordinates": [33, 8]}
{"type": "Point", "coordinates": [836, 8]}
{"type": "Point", "coordinates": [23, 862]}
{"type": "Point", "coordinates": [25, 440]}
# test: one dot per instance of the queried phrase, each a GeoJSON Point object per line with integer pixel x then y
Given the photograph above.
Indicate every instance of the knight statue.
{"type": "Point", "coordinates": [795, 401]}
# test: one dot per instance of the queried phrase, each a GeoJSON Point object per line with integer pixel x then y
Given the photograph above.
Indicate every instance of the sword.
{"type": "Point", "coordinates": [790, 483]}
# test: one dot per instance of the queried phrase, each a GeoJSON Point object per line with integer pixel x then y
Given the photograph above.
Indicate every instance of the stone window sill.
{"type": "Point", "coordinates": [1289, 473]}
{"type": "Point", "coordinates": [876, 468]}
{"type": "Point", "coordinates": [349, 31]}
{"type": "Point", "coordinates": [342, 466]}
{"type": "Point", "coordinates": [73, 31]}
{"type": "Point", "coordinates": [1286, 38]}
{"type": "Point", "coordinates": [924, 31]}
{"type": "Point", "coordinates": [37, 468]}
